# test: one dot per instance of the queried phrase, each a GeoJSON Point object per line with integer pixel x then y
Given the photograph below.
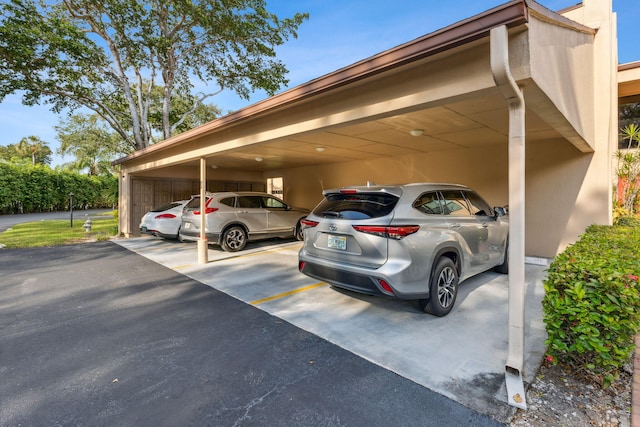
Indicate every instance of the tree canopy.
{"type": "Point", "coordinates": [29, 150]}
{"type": "Point", "coordinates": [92, 144]}
{"type": "Point", "coordinates": [109, 55]}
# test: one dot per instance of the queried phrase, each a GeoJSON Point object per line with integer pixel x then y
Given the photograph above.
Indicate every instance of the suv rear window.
{"type": "Point", "coordinates": [193, 203]}
{"type": "Point", "coordinates": [356, 206]}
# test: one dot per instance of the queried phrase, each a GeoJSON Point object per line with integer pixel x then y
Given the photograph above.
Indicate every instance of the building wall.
{"type": "Point", "coordinates": [555, 171]}
{"type": "Point", "coordinates": [594, 199]}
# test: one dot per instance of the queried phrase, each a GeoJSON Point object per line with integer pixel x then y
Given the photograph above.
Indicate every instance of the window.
{"type": "Point", "coordinates": [455, 204]}
{"type": "Point", "coordinates": [478, 206]}
{"type": "Point", "coordinates": [275, 186]}
{"type": "Point", "coordinates": [273, 203]}
{"type": "Point", "coordinates": [166, 207]}
{"type": "Point", "coordinates": [228, 201]}
{"type": "Point", "coordinates": [249, 202]}
{"type": "Point", "coordinates": [356, 206]}
{"type": "Point", "coordinates": [429, 203]}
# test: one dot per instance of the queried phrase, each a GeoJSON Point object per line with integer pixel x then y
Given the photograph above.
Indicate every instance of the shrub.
{"type": "Point", "coordinates": [628, 221]}
{"type": "Point", "coordinates": [25, 189]}
{"type": "Point", "coordinates": [592, 303]}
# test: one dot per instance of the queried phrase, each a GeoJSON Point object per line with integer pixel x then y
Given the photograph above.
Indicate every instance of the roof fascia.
{"type": "Point", "coordinates": [547, 15]}
{"type": "Point", "coordinates": [629, 66]}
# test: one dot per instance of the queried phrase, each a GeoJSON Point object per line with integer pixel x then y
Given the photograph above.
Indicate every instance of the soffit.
{"type": "Point", "coordinates": [629, 82]}
{"type": "Point", "coordinates": [475, 123]}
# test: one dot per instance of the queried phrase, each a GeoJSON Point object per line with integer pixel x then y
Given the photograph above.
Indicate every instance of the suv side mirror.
{"type": "Point", "coordinates": [499, 211]}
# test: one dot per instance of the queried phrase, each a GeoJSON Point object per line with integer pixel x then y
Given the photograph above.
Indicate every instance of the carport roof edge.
{"type": "Point", "coordinates": [511, 14]}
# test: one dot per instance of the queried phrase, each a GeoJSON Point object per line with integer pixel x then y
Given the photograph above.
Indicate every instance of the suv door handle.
{"type": "Point", "coordinates": [456, 225]}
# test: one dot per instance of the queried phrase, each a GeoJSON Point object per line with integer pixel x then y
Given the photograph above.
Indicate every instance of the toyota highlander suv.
{"type": "Point", "coordinates": [414, 241]}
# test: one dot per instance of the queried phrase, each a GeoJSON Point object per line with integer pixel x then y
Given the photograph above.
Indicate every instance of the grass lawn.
{"type": "Point", "coordinates": [57, 232]}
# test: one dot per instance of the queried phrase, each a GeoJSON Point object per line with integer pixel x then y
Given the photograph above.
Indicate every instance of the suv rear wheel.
{"type": "Point", "coordinates": [234, 239]}
{"type": "Point", "coordinates": [443, 289]}
{"type": "Point", "coordinates": [299, 233]}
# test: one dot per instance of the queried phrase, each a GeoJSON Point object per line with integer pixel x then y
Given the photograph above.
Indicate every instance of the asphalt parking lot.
{"type": "Point", "coordinates": [94, 334]}
{"type": "Point", "coordinates": [460, 356]}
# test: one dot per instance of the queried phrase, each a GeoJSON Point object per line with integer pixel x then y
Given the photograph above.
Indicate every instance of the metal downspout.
{"type": "Point", "coordinates": [499, 43]}
{"type": "Point", "coordinates": [203, 244]}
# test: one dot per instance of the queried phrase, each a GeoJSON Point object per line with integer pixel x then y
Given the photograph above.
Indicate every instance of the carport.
{"type": "Point", "coordinates": [449, 106]}
{"type": "Point", "coordinates": [357, 125]}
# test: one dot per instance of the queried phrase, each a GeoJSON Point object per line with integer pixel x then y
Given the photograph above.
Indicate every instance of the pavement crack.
{"type": "Point", "coordinates": [248, 408]}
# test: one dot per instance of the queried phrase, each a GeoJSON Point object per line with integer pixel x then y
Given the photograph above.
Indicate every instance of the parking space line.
{"type": "Point", "coordinates": [285, 294]}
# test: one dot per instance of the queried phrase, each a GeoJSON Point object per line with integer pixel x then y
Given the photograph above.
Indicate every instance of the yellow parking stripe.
{"type": "Point", "coordinates": [295, 291]}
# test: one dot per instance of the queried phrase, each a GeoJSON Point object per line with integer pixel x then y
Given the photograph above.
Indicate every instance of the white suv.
{"type": "Point", "coordinates": [233, 218]}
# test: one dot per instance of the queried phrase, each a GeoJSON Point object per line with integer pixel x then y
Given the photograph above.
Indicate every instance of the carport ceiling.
{"type": "Point", "coordinates": [473, 123]}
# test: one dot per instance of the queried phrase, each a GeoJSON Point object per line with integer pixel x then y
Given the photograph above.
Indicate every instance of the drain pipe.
{"type": "Point", "coordinates": [499, 43]}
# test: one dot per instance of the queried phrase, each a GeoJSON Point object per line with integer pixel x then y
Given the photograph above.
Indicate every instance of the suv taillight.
{"type": "Point", "coordinates": [165, 215]}
{"type": "Point", "coordinates": [206, 211]}
{"type": "Point", "coordinates": [308, 223]}
{"type": "Point", "coordinates": [396, 232]}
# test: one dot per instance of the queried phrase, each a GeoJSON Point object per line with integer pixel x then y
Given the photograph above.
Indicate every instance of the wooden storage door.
{"type": "Point", "coordinates": [142, 196]}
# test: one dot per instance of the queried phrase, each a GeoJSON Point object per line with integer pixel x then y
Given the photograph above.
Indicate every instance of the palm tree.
{"type": "Point", "coordinates": [631, 132]}
{"type": "Point", "coordinates": [35, 148]}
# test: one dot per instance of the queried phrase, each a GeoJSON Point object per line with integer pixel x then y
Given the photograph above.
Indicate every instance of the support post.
{"type": "Point", "coordinates": [203, 244]}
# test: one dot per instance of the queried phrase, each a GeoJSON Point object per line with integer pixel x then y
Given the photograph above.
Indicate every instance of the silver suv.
{"type": "Point", "coordinates": [232, 219]}
{"type": "Point", "coordinates": [414, 241]}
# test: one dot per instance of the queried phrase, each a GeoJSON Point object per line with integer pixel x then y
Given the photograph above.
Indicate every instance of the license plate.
{"type": "Point", "coordinates": [144, 229]}
{"type": "Point", "coordinates": [337, 242]}
{"type": "Point", "coordinates": [187, 225]}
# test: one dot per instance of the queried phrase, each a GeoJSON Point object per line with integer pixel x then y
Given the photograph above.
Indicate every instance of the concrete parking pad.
{"type": "Point", "coordinates": [461, 356]}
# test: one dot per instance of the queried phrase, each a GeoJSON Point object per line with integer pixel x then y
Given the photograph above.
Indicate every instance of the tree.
{"type": "Point", "coordinates": [7, 152]}
{"type": "Point", "coordinates": [630, 111]}
{"type": "Point", "coordinates": [186, 111]}
{"type": "Point", "coordinates": [98, 53]}
{"type": "Point", "coordinates": [33, 148]}
{"type": "Point", "coordinates": [93, 144]}
{"type": "Point", "coordinates": [629, 117]}
{"type": "Point", "coordinates": [631, 134]}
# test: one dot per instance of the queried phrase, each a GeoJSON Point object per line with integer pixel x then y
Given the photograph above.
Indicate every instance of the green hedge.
{"type": "Point", "coordinates": [27, 189]}
{"type": "Point", "coordinates": [592, 302]}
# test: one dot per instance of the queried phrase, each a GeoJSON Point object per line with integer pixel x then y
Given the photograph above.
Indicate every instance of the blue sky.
{"type": "Point", "coordinates": [337, 34]}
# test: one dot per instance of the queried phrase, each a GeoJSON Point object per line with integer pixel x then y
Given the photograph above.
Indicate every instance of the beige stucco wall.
{"type": "Point", "coordinates": [555, 174]}
{"type": "Point", "coordinates": [484, 169]}
{"type": "Point", "coordinates": [594, 200]}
